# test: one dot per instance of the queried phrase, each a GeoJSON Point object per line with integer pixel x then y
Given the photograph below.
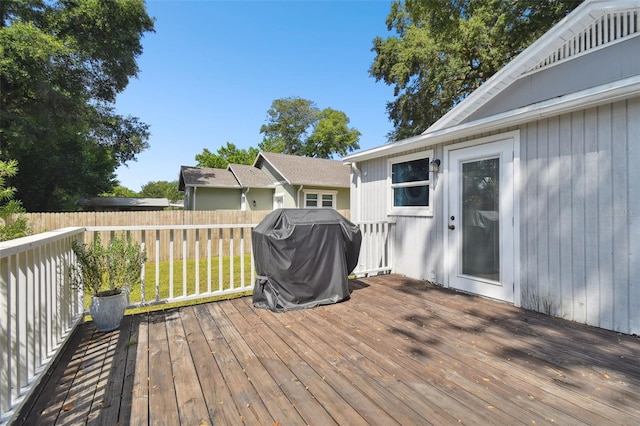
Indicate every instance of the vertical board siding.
{"type": "Point", "coordinates": [591, 183]}
{"type": "Point", "coordinates": [633, 114]}
{"type": "Point", "coordinates": [578, 207]}
{"type": "Point", "coordinates": [579, 230]}
{"type": "Point", "coordinates": [530, 211]}
{"type": "Point", "coordinates": [551, 176]}
{"type": "Point", "coordinates": [372, 202]}
{"type": "Point", "coordinates": [619, 171]}
{"type": "Point", "coordinates": [542, 216]}
{"type": "Point", "coordinates": [605, 221]}
{"type": "Point", "coordinates": [565, 290]}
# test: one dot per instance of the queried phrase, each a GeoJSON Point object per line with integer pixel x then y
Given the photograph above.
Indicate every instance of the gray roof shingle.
{"type": "Point", "coordinates": [203, 176]}
{"type": "Point", "coordinates": [308, 171]}
{"type": "Point", "coordinates": [250, 177]}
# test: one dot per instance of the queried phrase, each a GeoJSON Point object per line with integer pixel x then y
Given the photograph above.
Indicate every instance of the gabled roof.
{"type": "Point", "coordinates": [306, 170]}
{"type": "Point", "coordinates": [202, 176]}
{"type": "Point", "coordinates": [249, 176]}
{"type": "Point", "coordinates": [577, 33]}
{"type": "Point", "coordinates": [593, 25]}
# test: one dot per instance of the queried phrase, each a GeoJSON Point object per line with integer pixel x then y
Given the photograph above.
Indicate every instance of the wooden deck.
{"type": "Point", "coordinates": [398, 352]}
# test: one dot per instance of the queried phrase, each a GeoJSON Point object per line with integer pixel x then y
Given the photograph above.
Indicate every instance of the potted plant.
{"type": "Point", "coordinates": [107, 274]}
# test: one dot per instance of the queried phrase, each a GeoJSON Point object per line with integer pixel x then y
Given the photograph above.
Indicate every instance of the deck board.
{"type": "Point", "coordinates": [400, 351]}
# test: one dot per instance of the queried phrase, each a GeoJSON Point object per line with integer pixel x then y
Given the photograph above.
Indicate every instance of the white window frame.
{"type": "Point", "coordinates": [320, 193]}
{"type": "Point", "coordinates": [409, 210]}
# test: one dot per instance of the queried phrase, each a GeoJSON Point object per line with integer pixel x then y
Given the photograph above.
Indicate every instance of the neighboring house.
{"type": "Point", "coordinates": [209, 189]}
{"type": "Point", "coordinates": [528, 191]}
{"type": "Point", "coordinates": [273, 181]}
{"type": "Point", "coordinates": [117, 204]}
{"type": "Point", "coordinates": [303, 182]}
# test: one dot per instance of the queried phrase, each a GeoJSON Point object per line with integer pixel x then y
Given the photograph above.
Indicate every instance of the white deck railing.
{"type": "Point", "coordinates": [39, 309]}
{"type": "Point", "coordinates": [376, 248]}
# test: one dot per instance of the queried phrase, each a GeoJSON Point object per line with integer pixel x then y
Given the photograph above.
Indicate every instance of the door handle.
{"type": "Point", "coordinates": [452, 227]}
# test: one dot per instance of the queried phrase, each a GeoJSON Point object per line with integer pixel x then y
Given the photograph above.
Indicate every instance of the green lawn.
{"type": "Point", "coordinates": [150, 282]}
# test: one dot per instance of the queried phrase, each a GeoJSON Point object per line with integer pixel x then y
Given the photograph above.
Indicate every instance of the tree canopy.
{"type": "Point", "coordinates": [162, 189]}
{"type": "Point", "coordinates": [62, 64]}
{"type": "Point", "coordinates": [444, 49]}
{"type": "Point", "coordinates": [297, 126]}
{"type": "Point", "coordinates": [226, 154]}
{"type": "Point", "coordinates": [294, 126]}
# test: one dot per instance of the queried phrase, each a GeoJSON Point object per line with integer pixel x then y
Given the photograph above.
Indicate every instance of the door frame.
{"type": "Point", "coordinates": [514, 136]}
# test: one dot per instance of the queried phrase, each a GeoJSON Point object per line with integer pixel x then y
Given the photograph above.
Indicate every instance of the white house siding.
{"type": "Point", "coordinates": [370, 186]}
{"type": "Point", "coordinates": [579, 217]}
{"type": "Point", "coordinates": [417, 240]}
{"type": "Point", "coordinates": [418, 247]}
{"type": "Point", "coordinates": [580, 207]}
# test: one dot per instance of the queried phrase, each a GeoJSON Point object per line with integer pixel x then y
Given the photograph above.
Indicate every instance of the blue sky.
{"type": "Point", "coordinates": [211, 70]}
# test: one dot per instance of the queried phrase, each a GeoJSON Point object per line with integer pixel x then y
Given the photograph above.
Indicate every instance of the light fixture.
{"type": "Point", "coordinates": [434, 166]}
{"type": "Point", "coordinates": [254, 203]}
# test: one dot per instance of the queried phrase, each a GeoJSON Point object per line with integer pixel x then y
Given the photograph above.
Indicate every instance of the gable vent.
{"type": "Point", "coordinates": [611, 27]}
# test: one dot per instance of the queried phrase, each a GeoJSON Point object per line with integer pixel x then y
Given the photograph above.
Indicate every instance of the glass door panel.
{"type": "Point", "coordinates": [481, 218]}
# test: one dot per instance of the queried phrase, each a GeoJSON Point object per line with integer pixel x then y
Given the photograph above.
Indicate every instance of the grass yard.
{"type": "Point", "coordinates": [189, 288]}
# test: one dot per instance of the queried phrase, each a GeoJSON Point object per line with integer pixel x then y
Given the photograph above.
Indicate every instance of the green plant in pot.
{"type": "Point", "coordinates": [107, 272]}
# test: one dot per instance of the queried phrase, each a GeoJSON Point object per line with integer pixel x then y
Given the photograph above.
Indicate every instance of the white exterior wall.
{"type": "Point", "coordinates": [417, 243]}
{"type": "Point", "coordinates": [579, 217]}
{"type": "Point", "coordinates": [580, 206]}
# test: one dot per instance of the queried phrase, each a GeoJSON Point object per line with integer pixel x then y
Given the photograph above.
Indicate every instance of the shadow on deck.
{"type": "Point", "coordinates": [400, 351]}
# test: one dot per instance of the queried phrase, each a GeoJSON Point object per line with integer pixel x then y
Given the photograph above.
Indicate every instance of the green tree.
{"type": "Point", "coordinates": [297, 126]}
{"type": "Point", "coordinates": [13, 224]}
{"type": "Point", "coordinates": [162, 189]}
{"type": "Point", "coordinates": [120, 191]}
{"type": "Point", "coordinates": [62, 64]}
{"type": "Point", "coordinates": [444, 50]}
{"type": "Point", "coordinates": [331, 135]}
{"type": "Point", "coordinates": [227, 154]}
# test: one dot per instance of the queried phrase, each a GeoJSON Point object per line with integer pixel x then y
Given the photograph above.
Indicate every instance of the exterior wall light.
{"type": "Point", "coordinates": [434, 166]}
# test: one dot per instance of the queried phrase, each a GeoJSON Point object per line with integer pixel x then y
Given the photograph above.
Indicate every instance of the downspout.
{"type": "Point", "coordinates": [246, 200]}
{"type": "Point", "coordinates": [298, 201]}
{"type": "Point", "coordinates": [358, 188]}
{"type": "Point", "coordinates": [194, 197]}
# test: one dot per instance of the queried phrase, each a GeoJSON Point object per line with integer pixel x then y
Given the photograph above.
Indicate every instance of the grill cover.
{"type": "Point", "coordinates": [303, 258]}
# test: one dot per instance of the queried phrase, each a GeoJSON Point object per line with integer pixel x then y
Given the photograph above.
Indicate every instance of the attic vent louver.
{"type": "Point", "coordinates": [611, 27]}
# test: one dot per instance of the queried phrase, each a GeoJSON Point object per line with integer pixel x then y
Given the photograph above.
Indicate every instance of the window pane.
{"type": "Point", "coordinates": [480, 219]}
{"type": "Point", "coordinates": [311, 200]}
{"type": "Point", "coordinates": [410, 171]}
{"type": "Point", "coordinates": [411, 196]}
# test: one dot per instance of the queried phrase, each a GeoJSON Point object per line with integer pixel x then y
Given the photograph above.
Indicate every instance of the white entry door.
{"type": "Point", "coordinates": [479, 242]}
